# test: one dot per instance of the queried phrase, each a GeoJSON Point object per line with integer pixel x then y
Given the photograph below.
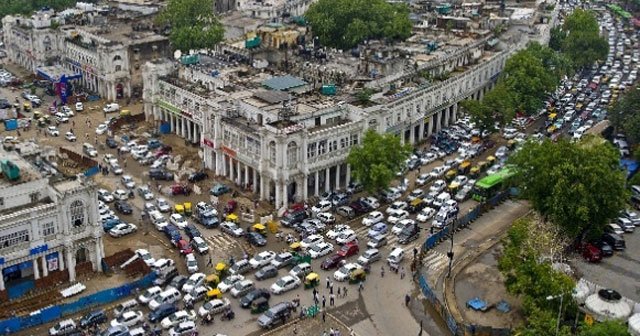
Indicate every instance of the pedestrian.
{"type": "Point", "coordinates": [344, 291]}
{"type": "Point", "coordinates": [210, 262]}
{"type": "Point", "coordinates": [381, 267]}
{"type": "Point", "coordinates": [324, 301]}
{"type": "Point", "coordinates": [324, 317]}
{"type": "Point", "coordinates": [315, 291]}
{"type": "Point", "coordinates": [332, 300]}
{"type": "Point", "coordinates": [402, 273]}
{"type": "Point", "coordinates": [338, 291]}
{"type": "Point", "coordinates": [324, 333]}
{"type": "Point", "coordinates": [407, 299]}
{"type": "Point", "coordinates": [124, 162]}
{"type": "Point", "coordinates": [361, 286]}
{"type": "Point", "coordinates": [331, 289]}
{"type": "Point", "coordinates": [328, 282]}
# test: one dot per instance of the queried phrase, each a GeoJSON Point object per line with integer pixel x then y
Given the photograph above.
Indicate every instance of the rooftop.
{"type": "Point", "coordinates": [283, 83]}
{"type": "Point", "coordinates": [28, 172]}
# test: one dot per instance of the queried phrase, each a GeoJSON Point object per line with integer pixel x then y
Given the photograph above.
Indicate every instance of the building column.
{"type": "Point", "coordinates": [61, 260]}
{"type": "Point", "coordinates": [71, 265]}
{"type": "Point", "coordinates": [430, 126]}
{"type": "Point", "coordinates": [45, 270]}
{"type": "Point", "coordinates": [239, 177]}
{"type": "Point", "coordinates": [1, 280]}
{"type": "Point", "coordinates": [326, 180]}
{"type": "Point", "coordinates": [36, 271]}
{"type": "Point", "coordinates": [99, 252]}
{"type": "Point", "coordinates": [254, 182]}
{"type": "Point", "coordinates": [337, 177]}
{"type": "Point", "coordinates": [348, 175]}
{"type": "Point", "coordinates": [316, 181]}
{"type": "Point", "coordinates": [246, 175]}
{"type": "Point", "coordinates": [285, 194]}
{"type": "Point", "coordinates": [231, 172]}
{"type": "Point", "coordinates": [455, 112]}
{"type": "Point", "coordinates": [277, 204]}
{"type": "Point", "coordinates": [183, 124]}
{"type": "Point", "coordinates": [439, 122]}
{"type": "Point", "coordinates": [412, 136]}
{"type": "Point", "coordinates": [173, 123]}
{"type": "Point", "coordinates": [446, 117]}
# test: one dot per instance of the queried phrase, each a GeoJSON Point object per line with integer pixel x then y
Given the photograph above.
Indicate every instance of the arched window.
{"type": "Point", "coordinates": [118, 68]}
{"type": "Point", "coordinates": [77, 213]}
{"type": "Point", "coordinates": [292, 153]}
{"type": "Point", "coordinates": [117, 58]}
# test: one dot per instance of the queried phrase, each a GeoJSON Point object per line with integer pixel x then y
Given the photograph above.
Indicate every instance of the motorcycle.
{"type": "Point", "coordinates": [228, 315]}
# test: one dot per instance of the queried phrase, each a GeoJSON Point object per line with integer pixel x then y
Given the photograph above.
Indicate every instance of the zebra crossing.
{"type": "Point", "coordinates": [435, 261]}
{"type": "Point", "coordinates": [221, 242]}
{"type": "Point", "coordinates": [392, 239]}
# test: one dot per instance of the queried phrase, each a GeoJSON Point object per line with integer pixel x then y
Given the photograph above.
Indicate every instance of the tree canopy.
{"type": "Point", "coordinates": [625, 114]}
{"type": "Point", "coordinates": [346, 23]}
{"type": "Point", "coordinates": [577, 186]}
{"type": "Point", "coordinates": [605, 328]}
{"type": "Point", "coordinates": [580, 39]}
{"type": "Point", "coordinates": [193, 24]}
{"type": "Point", "coordinates": [377, 159]}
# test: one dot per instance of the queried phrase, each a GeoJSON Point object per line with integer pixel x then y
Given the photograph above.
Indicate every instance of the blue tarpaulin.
{"type": "Point", "coordinates": [477, 304]}
{"type": "Point", "coordinates": [10, 124]}
{"type": "Point", "coordinates": [631, 166]}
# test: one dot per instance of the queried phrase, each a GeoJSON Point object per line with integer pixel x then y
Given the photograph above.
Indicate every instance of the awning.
{"type": "Point", "coordinates": [56, 74]}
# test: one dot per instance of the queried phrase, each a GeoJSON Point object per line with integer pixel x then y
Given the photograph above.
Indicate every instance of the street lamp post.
{"type": "Point", "coordinates": [553, 297]}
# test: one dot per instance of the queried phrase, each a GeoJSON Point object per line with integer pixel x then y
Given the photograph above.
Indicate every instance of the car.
{"type": "Point", "coordinates": [625, 224]}
{"type": "Point", "coordinates": [337, 230]}
{"type": "Point", "coordinates": [128, 319]}
{"type": "Point", "coordinates": [371, 202]}
{"type": "Point", "coordinates": [69, 136]}
{"type": "Point", "coordinates": [614, 228]}
{"type": "Point", "coordinates": [326, 218]}
{"type": "Point", "coordinates": [416, 193]}
{"type": "Point", "coordinates": [373, 218]}
{"type": "Point", "coordinates": [331, 262]}
{"type": "Point", "coordinates": [379, 229]}
{"type": "Point", "coordinates": [61, 117]}
{"type": "Point", "coordinates": [219, 189]}
{"type": "Point", "coordinates": [116, 331]}
{"type": "Point", "coordinates": [425, 214]}
{"type": "Point", "coordinates": [247, 300]}
{"type": "Point", "coordinates": [163, 205]}
{"type": "Point", "coordinates": [178, 220]}
{"type": "Point", "coordinates": [92, 318]}
{"type": "Point", "coordinates": [423, 179]}
{"type": "Point", "coordinates": [395, 206]}
{"type": "Point", "coordinates": [197, 176]}
{"type": "Point", "coordinates": [266, 272]}
{"type": "Point", "coordinates": [605, 248]}
{"type": "Point", "coordinates": [159, 174]}
{"type": "Point", "coordinates": [232, 229]}
{"type": "Point", "coordinates": [397, 216]}
{"type": "Point", "coordinates": [369, 256]}
{"type": "Point", "coordinates": [105, 196]}
{"type": "Point", "coordinates": [128, 181]}
{"type": "Point", "coordinates": [183, 329]}
{"type": "Point", "coordinates": [322, 206]}
{"type": "Point", "coordinates": [256, 239]}
{"type": "Point", "coordinates": [192, 263]}
{"type": "Point", "coordinates": [310, 241]}
{"type": "Point", "coordinates": [116, 169]}
{"type": "Point", "coordinates": [348, 250]}
{"type": "Point", "coordinates": [79, 106]}
{"type": "Point", "coordinates": [346, 237]}
{"type": "Point", "coordinates": [396, 229]}
{"type": "Point", "coordinates": [631, 215]}
{"type": "Point", "coordinates": [300, 270]}
{"type": "Point", "coordinates": [214, 306]}
{"type": "Point", "coordinates": [146, 257]}
{"type": "Point", "coordinates": [182, 246]}
{"type": "Point", "coordinates": [241, 288]}
{"type": "Point", "coordinates": [282, 260]}
{"type": "Point", "coordinates": [228, 282]}
{"type": "Point", "coordinates": [63, 327]}
{"type": "Point", "coordinates": [240, 267]}
{"type": "Point", "coordinates": [284, 284]}
{"type": "Point", "coordinates": [320, 249]}
{"type": "Point", "coordinates": [123, 207]}
{"type": "Point", "coordinates": [344, 273]}
{"type": "Point", "coordinates": [148, 294]}
{"type": "Point", "coordinates": [145, 192]}
{"type": "Point", "coordinates": [261, 259]}
{"type": "Point", "coordinates": [177, 318]}
{"type": "Point", "coordinates": [102, 129]}
{"type": "Point", "coordinates": [111, 142]}
{"type": "Point", "coordinates": [122, 229]}
{"type": "Point", "coordinates": [200, 245]}
{"type": "Point", "coordinates": [53, 131]}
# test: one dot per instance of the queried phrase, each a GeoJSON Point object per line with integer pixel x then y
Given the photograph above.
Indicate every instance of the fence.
{"type": "Point", "coordinates": [57, 312]}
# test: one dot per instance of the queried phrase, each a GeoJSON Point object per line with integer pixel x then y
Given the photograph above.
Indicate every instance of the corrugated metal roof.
{"type": "Point", "coordinates": [283, 82]}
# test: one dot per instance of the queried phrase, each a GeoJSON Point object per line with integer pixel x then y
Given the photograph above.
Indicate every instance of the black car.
{"type": "Point", "coordinates": [178, 281]}
{"type": "Point", "coordinates": [197, 176]}
{"type": "Point", "coordinates": [92, 318]}
{"type": "Point", "coordinates": [192, 231]}
{"type": "Point", "coordinates": [266, 272]}
{"type": "Point", "coordinates": [163, 311]}
{"type": "Point", "coordinates": [331, 262]}
{"type": "Point", "coordinates": [247, 300]}
{"type": "Point", "coordinates": [256, 239]}
{"type": "Point", "coordinates": [605, 248]}
{"type": "Point", "coordinates": [159, 174]}
{"type": "Point", "coordinates": [124, 208]}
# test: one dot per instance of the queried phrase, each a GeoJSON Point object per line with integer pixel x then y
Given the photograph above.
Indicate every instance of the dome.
{"type": "Point", "coordinates": [634, 325]}
{"type": "Point", "coordinates": [607, 304]}
{"type": "Point", "coordinates": [581, 292]}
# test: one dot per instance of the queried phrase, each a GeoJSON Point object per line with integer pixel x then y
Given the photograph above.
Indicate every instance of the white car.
{"type": "Point", "coordinates": [284, 284]}
{"type": "Point", "coordinates": [116, 169]}
{"type": "Point", "coordinates": [395, 206]}
{"type": "Point", "coordinates": [422, 179]}
{"type": "Point", "coordinates": [337, 230]}
{"type": "Point", "coordinates": [146, 257]}
{"type": "Point", "coordinates": [69, 136]}
{"type": "Point", "coordinates": [425, 214]}
{"type": "Point", "coordinates": [232, 229]}
{"type": "Point", "coordinates": [149, 294]}
{"type": "Point", "coordinates": [105, 196]}
{"type": "Point", "coordinates": [177, 318]}
{"type": "Point", "coordinates": [200, 245]}
{"type": "Point", "coordinates": [416, 193]}
{"type": "Point", "coordinates": [320, 250]}
{"type": "Point", "coordinates": [128, 319]}
{"type": "Point", "coordinates": [261, 259]}
{"type": "Point", "coordinates": [79, 106]}
{"type": "Point", "coordinates": [438, 186]}
{"type": "Point", "coordinates": [326, 218]}
{"type": "Point", "coordinates": [145, 192]}
{"type": "Point", "coordinates": [178, 220]}
{"type": "Point", "coordinates": [373, 218]}
{"type": "Point", "coordinates": [121, 195]}
{"type": "Point", "coordinates": [369, 256]}
{"type": "Point", "coordinates": [184, 328]}
{"type": "Point", "coordinates": [163, 205]}
{"type": "Point", "coordinates": [194, 281]}
{"type": "Point", "coordinates": [322, 206]}
{"type": "Point", "coordinates": [398, 216]}
{"type": "Point", "coordinates": [372, 202]}
{"type": "Point", "coordinates": [122, 229]}
{"type": "Point", "coordinates": [228, 282]}
{"type": "Point", "coordinates": [396, 229]}
{"type": "Point", "coordinates": [109, 158]}
{"type": "Point", "coordinates": [101, 129]}
{"type": "Point", "coordinates": [344, 272]}
{"type": "Point", "coordinates": [128, 181]}
{"type": "Point", "coordinates": [192, 263]}
{"type": "Point", "coordinates": [61, 117]}
{"type": "Point", "coordinates": [214, 306]}
{"type": "Point", "coordinates": [615, 228]}
{"type": "Point", "coordinates": [53, 131]}
{"type": "Point", "coordinates": [311, 240]}
{"type": "Point", "coordinates": [346, 237]}
{"type": "Point", "coordinates": [241, 288]}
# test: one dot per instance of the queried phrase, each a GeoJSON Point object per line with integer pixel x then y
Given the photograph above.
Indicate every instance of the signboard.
{"type": "Point", "coordinates": [207, 142]}
{"type": "Point", "coordinates": [229, 151]}
{"type": "Point", "coordinates": [52, 261]}
{"type": "Point", "coordinates": [1, 261]}
{"type": "Point", "coordinates": [39, 249]}
{"type": "Point", "coordinates": [169, 107]}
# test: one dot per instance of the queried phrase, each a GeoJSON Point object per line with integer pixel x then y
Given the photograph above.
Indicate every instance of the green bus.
{"type": "Point", "coordinates": [490, 185]}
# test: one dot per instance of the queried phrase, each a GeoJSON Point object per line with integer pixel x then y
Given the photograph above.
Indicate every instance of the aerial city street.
{"type": "Point", "coordinates": [319, 167]}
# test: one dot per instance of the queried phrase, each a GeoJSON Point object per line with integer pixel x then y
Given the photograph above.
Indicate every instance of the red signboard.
{"type": "Point", "coordinates": [229, 151]}
{"type": "Point", "coordinates": [207, 142]}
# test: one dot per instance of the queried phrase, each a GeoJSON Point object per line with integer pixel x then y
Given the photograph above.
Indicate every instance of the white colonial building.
{"type": "Point", "coordinates": [46, 226]}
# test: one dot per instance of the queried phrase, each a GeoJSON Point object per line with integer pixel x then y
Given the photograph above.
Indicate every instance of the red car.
{"type": "Point", "coordinates": [184, 247]}
{"type": "Point", "coordinates": [591, 253]}
{"type": "Point", "coordinates": [348, 250]}
{"type": "Point", "coordinates": [332, 262]}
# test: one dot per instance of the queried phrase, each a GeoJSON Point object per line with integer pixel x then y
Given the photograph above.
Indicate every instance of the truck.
{"type": "Point", "coordinates": [206, 215]}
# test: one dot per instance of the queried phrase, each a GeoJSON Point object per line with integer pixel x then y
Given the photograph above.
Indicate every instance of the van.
{"type": "Point", "coordinates": [396, 256]}
{"type": "Point", "coordinates": [124, 306]}
{"type": "Point", "coordinates": [276, 314]}
{"type": "Point", "coordinates": [111, 107]}
{"type": "Point", "coordinates": [165, 276]}
{"type": "Point", "coordinates": [616, 242]}
{"type": "Point", "coordinates": [171, 295]}
{"type": "Point", "coordinates": [441, 199]}
{"type": "Point", "coordinates": [346, 212]}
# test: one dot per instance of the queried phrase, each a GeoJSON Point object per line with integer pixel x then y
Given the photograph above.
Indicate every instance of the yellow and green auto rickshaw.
{"type": "Point", "coordinates": [221, 269]}
{"type": "Point", "coordinates": [259, 228]}
{"type": "Point", "coordinates": [26, 107]}
{"type": "Point", "coordinates": [491, 160]}
{"type": "Point", "coordinates": [260, 305]}
{"type": "Point", "coordinates": [232, 218]}
{"type": "Point", "coordinates": [295, 247]}
{"type": "Point", "coordinates": [179, 209]}
{"type": "Point", "coordinates": [212, 280]}
{"type": "Point", "coordinates": [311, 280]}
{"type": "Point", "coordinates": [450, 175]}
{"type": "Point", "coordinates": [125, 113]}
{"type": "Point", "coordinates": [357, 276]}
{"type": "Point", "coordinates": [187, 209]}
{"type": "Point", "coordinates": [214, 294]}
{"type": "Point", "coordinates": [464, 167]}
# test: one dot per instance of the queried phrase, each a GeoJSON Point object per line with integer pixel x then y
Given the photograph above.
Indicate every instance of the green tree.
{"type": "Point", "coordinates": [364, 96]}
{"type": "Point", "coordinates": [346, 23]}
{"type": "Point", "coordinates": [542, 323]}
{"type": "Point", "coordinates": [376, 160]}
{"type": "Point", "coordinates": [577, 186]}
{"type": "Point", "coordinates": [581, 20]}
{"type": "Point", "coordinates": [625, 115]}
{"type": "Point", "coordinates": [605, 328]}
{"type": "Point", "coordinates": [528, 79]}
{"type": "Point", "coordinates": [480, 113]}
{"type": "Point", "coordinates": [583, 44]}
{"type": "Point", "coordinates": [556, 39]}
{"type": "Point", "coordinates": [193, 24]}
{"type": "Point", "coordinates": [553, 61]}
{"type": "Point", "coordinates": [502, 102]}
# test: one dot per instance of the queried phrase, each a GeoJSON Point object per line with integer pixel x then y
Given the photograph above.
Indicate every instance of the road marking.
{"type": "Point", "coordinates": [221, 242]}
{"type": "Point", "coordinates": [435, 260]}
